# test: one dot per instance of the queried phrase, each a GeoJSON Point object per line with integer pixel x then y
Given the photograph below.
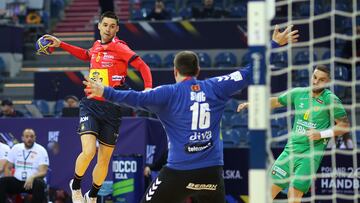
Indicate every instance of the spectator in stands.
{"type": "Point", "coordinates": [8, 110]}
{"type": "Point", "coordinates": [159, 12]}
{"type": "Point", "coordinates": [71, 101]}
{"type": "Point", "coordinates": [208, 10]}
{"type": "Point", "coordinates": [4, 150]}
{"type": "Point", "coordinates": [31, 162]}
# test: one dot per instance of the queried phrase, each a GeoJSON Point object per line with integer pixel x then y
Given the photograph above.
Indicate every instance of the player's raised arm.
{"type": "Point", "coordinates": [78, 52]}
{"type": "Point", "coordinates": [274, 103]}
{"type": "Point", "coordinates": [282, 38]}
{"type": "Point", "coordinates": [144, 70]}
{"type": "Point", "coordinates": [150, 99]}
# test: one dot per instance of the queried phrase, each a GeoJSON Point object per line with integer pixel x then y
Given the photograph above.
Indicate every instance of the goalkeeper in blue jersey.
{"type": "Point", "coordinates": [190, 112]}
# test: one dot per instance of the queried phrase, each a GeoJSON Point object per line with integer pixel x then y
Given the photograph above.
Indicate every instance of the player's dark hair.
{"type": "Point", "coordinates": [187, 63]}
{"type": "Point", "coordinates": [109, 14]}
{"type": "Point", "coordinates": [324, 69]}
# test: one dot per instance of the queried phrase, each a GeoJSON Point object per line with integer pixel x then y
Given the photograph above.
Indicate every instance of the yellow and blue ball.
{"type": "Point", "coordinates": [42, 46]}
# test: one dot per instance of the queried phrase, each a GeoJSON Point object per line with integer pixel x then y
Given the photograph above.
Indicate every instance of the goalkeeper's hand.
{"type": "Point", "coordinates": [94, 88]}
{"type": "Point", "coordinates": [242, 106]}
{"type": "Point", "coordinates": [286, 36]}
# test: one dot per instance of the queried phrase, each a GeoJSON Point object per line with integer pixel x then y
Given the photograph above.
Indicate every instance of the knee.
{"type": "Point", "coordinates": [89, 153]}
{"type": "Point", "coordinates": [104, 160]}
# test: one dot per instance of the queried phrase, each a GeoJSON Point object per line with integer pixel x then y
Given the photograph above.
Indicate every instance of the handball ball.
{"type": "Point", "coordinates": [42, 46]}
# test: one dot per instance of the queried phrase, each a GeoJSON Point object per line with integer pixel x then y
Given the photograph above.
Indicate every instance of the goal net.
{"type": "Point", "coordinates": [329, 35]}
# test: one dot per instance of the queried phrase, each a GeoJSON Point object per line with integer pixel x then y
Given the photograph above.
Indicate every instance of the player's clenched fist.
{"type": "Point", "coordinates": [93, 88]}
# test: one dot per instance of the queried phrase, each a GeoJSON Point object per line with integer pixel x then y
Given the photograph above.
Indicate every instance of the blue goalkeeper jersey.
{"type": "Point", "coordinates": [190, 112]}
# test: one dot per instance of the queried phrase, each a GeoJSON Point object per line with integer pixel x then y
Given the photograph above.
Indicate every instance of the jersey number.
{"type": "Point", "coordinates": [200, 116]}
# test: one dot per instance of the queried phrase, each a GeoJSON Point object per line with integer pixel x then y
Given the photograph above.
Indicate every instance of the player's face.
{"type": "Point", "coordinates": [108, 29]}
{"type": "Point", "coordinates": [28, 138]}
{"type": "Point", "coordinates": [319, 80]}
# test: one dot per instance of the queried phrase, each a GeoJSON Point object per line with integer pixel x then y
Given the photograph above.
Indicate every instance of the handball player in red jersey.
{"type": "Point", "coordinates": [100, 120]}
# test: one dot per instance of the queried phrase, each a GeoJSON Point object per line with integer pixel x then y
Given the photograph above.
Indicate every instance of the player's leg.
{"type": "Point", "coordinates": [89, 130]}
{"type": "Point", "coordinates": [275, 189]}
{"type": "Point", "coordinates": [280, 174]}
{"type": "Point", "coordinates": [108, 133]}
{"type": "Point", "coordinates": [294, 195]}
{"type": "Point", "coordinates": [208, 185]}
{"type": "Point", "coordinates": [303, 175]}
{"type": "Point", "coordinates": [101, 168]}
{"type": "Point", "coordinates": [169, 187]}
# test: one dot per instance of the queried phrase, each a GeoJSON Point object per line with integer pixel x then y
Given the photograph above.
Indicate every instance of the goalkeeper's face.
{"type": "Point", "coordinates": [108, 29]}
{"type": "Point", "coordinates": [320, 80]}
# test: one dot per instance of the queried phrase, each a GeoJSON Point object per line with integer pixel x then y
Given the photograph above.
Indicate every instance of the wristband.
{"type": "Point", "coordinates": [327, 133]}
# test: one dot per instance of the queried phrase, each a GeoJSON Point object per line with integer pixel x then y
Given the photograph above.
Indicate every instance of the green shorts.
{"type": "Point", "coordinates": [294, 172]}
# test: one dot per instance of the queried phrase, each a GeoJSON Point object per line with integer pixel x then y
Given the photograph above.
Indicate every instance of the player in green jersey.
{"type": "Point", "coordinates": [316, 109]}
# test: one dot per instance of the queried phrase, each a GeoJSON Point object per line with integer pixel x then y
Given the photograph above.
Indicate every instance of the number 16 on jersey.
{"type": "Point", "coordinates": [200, 116]}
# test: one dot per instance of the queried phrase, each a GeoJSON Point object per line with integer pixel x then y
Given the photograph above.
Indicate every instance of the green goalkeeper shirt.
{"type": "Point", "coordinates": [310, 112]}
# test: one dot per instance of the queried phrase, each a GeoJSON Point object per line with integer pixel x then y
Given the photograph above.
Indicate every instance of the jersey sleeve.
{"type": "Point", "coordinates": [287, 98]}
{"type": "Point", "coordinates": [11, 157]}
{"type": "Point", "coordinates": [44, 157]}
{"type": "Point", "coordinates": [144, 70]}
{"type": "Point", "coordinates": [227, 85]}
{"type": "Point", "coordinates": [4, 152]}
{"type": "Point", "coordinates": [338, 108]}
{"type": "Point", "coordinates": [78, 52]}
{"type": "Point", "coordinates": [125, 53]}
{"type": "Point", "coordinates": [152, 100]}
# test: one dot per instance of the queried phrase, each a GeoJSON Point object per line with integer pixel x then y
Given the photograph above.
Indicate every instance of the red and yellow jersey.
{"type": "Point", "coordinates": [109, 62]}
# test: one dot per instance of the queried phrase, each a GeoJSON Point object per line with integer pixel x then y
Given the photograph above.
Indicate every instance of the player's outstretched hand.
{"type": "Point", "coordinates": [242, 106]}
{"type": "Point", "coordinates": [94, 88]}
{"type": "Point", "coordinates": [313, 134]}
{"type": "Point", "coordinates": [286, 36]}
{"type": "Point", "coordinates": [55, 42]}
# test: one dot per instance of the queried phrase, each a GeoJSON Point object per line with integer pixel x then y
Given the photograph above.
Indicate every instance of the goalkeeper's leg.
{"type": "Point", "coordinates": [294, 195]}
{"type": "Point", "coordinates": [275, 190]}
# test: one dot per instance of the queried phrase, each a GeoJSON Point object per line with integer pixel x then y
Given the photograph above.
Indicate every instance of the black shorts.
{"type": "Point", "coordinates": [101, 119]}
{"type": "Point", "coordinates": [205, 185]}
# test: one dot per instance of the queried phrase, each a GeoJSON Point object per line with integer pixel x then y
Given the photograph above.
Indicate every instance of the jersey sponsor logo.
{"type": "Point", "coordinates": [279, 170]}
{"type": "Point", "coordinates": [200, 136]}
{"type": "Point", "coordinates": [84, 118]}
{"type": "Point", "coordinates": [319, 101]}
{"type": "Point", "coordinates": [117, 78]}
{"type": "Point", "coordinates": [193, 186]}
{"type": "Point", "coordinates": [197, 147]}
{"type": "Point", "coordinates": [108, 56]}
{"type": "Point", "coordinates": [106, 64]}
{"type": "Point", "coordinates": [195, 88]}
{"type": "Point", "coordinates": [100, 75]}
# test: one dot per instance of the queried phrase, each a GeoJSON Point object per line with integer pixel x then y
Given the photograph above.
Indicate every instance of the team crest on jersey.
{"type": "Point", "coordinates": [98, 57]}
{"type": "Point", "coordinates": [320, 101]}
{"type": "Point", "coordinates": [195, 88]}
